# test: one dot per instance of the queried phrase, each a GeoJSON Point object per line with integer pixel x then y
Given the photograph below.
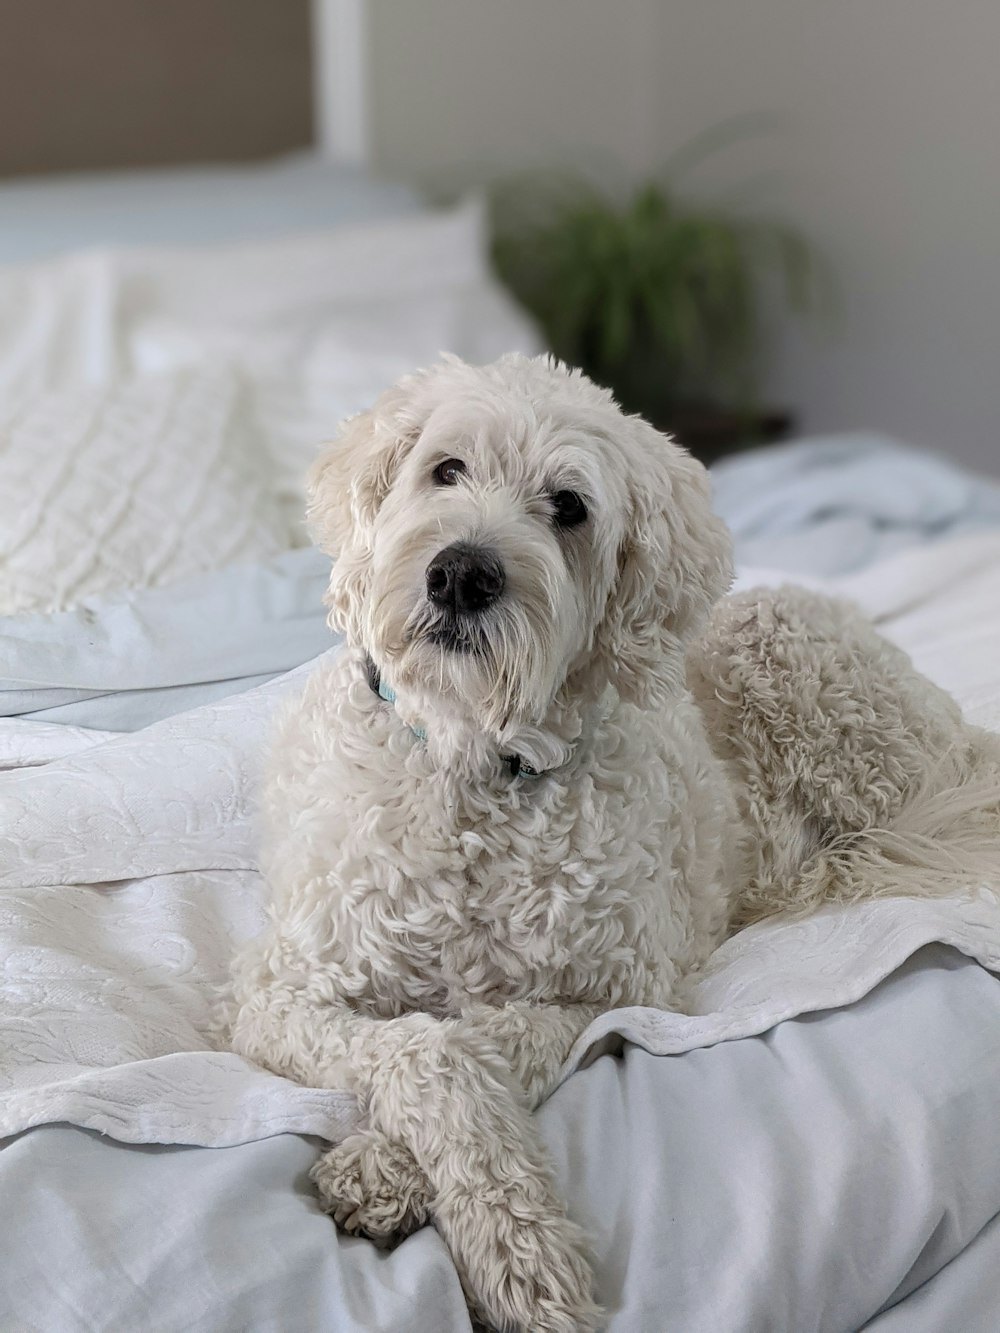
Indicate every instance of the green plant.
{"type": "Point", "coordinates": [660, 298]}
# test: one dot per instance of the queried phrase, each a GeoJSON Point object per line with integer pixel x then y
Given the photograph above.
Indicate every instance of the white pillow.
{"type": "Point", "coordinates": [316, 325]}
{"type": "Point", "coordinates": [132, 485]}
{"type": "Point", "coordinates": [319, 324]}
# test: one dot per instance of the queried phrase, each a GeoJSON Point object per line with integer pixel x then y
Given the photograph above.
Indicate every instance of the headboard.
{"type": "Point", "coordinates": [102, 84]}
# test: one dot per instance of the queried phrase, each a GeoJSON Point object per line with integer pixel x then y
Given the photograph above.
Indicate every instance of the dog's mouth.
{"type": "Point", "coordinates": [482, 663]}
{"type": "Point", "coordinates": [454, 639]}
{"type": "Point", "coordinates": [453, 633]}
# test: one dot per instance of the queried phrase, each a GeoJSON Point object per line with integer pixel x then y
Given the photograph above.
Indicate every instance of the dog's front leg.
{"type": "Point", "coordinates": [449, 1133]}
{"type": "Point", "coordinates": [290, 1033]}
{"type": "Point", "coordinates": [446, 1092]}
{"type": "Point", "coordinates": [534, 1039]}
{"type": "Point", "coordinates": [370, 1181]}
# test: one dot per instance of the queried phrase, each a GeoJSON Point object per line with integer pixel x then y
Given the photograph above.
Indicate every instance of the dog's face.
{"type": "Point", "coordinates": [505, 531]}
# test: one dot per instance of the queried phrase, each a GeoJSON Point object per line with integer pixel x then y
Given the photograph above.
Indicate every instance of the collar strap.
{"type": "Point", "coordinates": [514, 763]}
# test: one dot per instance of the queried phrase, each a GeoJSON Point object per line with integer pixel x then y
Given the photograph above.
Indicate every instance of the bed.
{"type": "Point", "coordinates": [814, 1146]}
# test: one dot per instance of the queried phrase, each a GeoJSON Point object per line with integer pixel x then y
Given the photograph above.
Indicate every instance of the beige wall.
{"type": "Point", "coordinates": [93, 84]}
{"type": "Point", "coordinates": [890, 157]}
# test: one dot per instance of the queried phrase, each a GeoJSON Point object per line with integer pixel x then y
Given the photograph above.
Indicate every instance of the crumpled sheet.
{"type": "Point", "coordinates": [831, 506]}
{"type": "Point", "coordinates": [121, 662]}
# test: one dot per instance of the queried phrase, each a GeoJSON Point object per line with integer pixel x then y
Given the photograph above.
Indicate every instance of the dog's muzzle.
{"type": "Point", "coordinates": [464, 580]}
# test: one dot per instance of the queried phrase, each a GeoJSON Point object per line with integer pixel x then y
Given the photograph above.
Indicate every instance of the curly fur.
{"type": "Point", "coordinates": [855, 774]}
{"type": "Point", "coordinates": [442, 931]}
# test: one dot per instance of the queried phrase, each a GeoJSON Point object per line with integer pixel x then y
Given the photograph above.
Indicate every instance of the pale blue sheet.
{"type": "Point", "coordinates": [120, 663]}
{"type": "Point", "coordinates": [800, 1181]}
{"type": "Point", "coordinates": [964, 1296]}
{"type": "Point", "coordinates": [52, 215]}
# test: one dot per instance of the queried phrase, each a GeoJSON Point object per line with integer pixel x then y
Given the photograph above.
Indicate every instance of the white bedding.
{"type": "Point", "coordinates": [804, 1179]}
{"type": "Point", "coordinates": [50, 215]}
{"type": "Point", "coordinates": [834, 505]}
{"type": "Point", "coordinates": [119, 663]}
{"type": "Point", "coordinates": [128, 877]}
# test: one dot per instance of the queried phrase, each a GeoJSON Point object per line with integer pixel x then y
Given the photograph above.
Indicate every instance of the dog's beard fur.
{"type": "Point", "coordinates": [501, 667]}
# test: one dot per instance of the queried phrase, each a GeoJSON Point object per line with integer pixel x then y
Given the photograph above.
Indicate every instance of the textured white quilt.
{"type": "Point", "coordinates": [132, 484]}
{"type": "Point", "coordinates": [127, 876]}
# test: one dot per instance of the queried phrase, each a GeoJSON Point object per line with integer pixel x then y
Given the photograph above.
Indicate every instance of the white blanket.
{"type": "Point", "coordinates": [127, 870]}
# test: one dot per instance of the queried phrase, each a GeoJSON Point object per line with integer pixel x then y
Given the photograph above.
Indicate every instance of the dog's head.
{"type": "Point", "coordinates": [503, 532]}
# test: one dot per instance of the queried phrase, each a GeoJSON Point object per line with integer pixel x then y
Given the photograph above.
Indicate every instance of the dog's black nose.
{"type": "Point", "coordinates": [465, 578]}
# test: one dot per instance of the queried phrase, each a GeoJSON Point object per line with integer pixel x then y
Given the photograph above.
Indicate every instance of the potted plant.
{"type": "Point", "coordinates": [658, 297]}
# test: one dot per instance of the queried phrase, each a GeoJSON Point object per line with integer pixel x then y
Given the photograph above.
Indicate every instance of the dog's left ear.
{"type": "Point", "coordinates": [674, 563]}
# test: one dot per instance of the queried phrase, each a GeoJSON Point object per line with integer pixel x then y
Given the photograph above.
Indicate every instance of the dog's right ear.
{"type": "Point", "coordinates": [345, 489]}
{"type": "Point", "coordinates": [349, 480]}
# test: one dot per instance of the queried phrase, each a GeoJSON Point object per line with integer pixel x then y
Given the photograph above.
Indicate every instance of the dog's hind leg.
{"type": "Point", "coordinates": [856, 774]}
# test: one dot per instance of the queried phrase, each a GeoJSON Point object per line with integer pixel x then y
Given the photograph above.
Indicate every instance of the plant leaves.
{"type": "Point", "coordinates": [659, 297]}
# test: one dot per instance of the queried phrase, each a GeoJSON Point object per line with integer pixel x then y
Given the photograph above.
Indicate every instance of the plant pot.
{"type": "Point", "coordinates": [712, 432]}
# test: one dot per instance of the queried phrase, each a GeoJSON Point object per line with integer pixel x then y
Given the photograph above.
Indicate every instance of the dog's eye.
{"type": "Point", "coordinates": [568, 509]}
{"type": "Point", "coordinates": [448, 472]}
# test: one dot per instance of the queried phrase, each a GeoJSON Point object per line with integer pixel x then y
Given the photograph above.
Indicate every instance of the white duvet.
{"type": "Point", "coordinates": [127, 876]}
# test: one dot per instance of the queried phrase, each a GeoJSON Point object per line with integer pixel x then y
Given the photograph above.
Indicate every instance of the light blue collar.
{"type": "Point", "coordinates": [387, 693]}
{"type": "Point", "coordinates": [515, 765]}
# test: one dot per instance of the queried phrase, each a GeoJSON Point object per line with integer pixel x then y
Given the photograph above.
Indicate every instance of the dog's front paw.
{"type": "Point", "coordinates": [372, 1186]}
{"type": "Point", "coordinates": [522, 1266]}
{"type": "Point", "coordinates": [551, 1283]}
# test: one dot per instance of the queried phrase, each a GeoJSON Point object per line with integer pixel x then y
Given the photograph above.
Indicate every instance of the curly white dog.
{"type": "Point", "coordinates": [500, 811]}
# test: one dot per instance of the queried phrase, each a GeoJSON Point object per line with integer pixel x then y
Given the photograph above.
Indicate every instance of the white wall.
{"type": "Point", "coordinates": [890, 159]}
{"type": "Point", "coordinates": [473, 85]}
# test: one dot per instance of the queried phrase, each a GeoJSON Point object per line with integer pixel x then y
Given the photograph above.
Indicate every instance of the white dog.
{"type": "Point", "coordinates": [500, 811]}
